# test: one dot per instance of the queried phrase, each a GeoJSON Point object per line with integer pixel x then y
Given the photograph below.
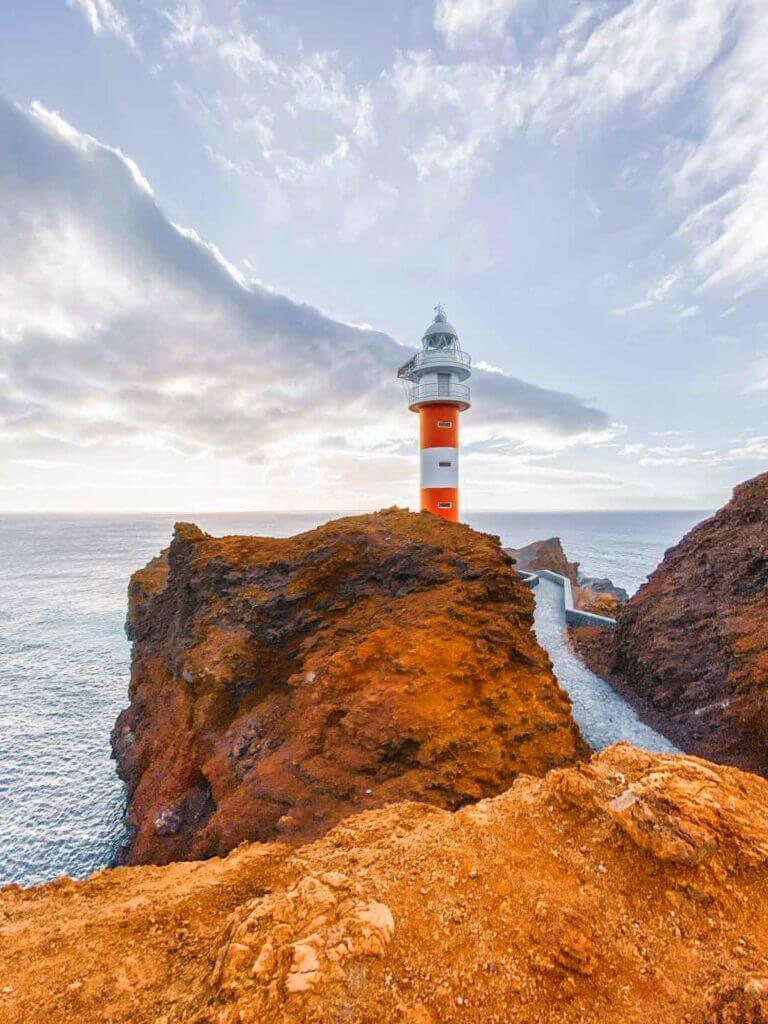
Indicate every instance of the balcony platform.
{"type": "Point", "coordinates": [433, 394]}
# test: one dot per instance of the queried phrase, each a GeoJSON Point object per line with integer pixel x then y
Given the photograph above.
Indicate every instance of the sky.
{"type": "Point", "coordinates": [225, 223]}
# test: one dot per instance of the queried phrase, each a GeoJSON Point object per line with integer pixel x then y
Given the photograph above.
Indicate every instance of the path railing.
{"type": "Point", "coordinates": [575, 616]}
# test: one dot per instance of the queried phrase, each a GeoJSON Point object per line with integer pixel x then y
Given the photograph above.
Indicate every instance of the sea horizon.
{"type": "Point", "coordinates": [353, 511]}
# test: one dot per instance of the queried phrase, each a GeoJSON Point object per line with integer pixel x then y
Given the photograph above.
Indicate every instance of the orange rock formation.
{"type": "Point", "coordinates": [693, 641]}
{"type": "Point", "coordinates": [279, 685]}
{"type": "Point", "coordinates": [633, 888]}
{"type": "Point", "coordinates": [597, 602]}
{"type": "Point", "coordinates": [545, 554]}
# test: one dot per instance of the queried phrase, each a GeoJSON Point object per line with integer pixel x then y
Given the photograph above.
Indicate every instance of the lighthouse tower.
{"type": "Point", "coordinates": [435, 383]}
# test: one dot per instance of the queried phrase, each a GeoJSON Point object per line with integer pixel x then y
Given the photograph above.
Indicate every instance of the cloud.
{"type": "Point", "coordinates": [302, 123]}
{"type": "Point", "coordinates": [595, 64]}
{"type": "Point", "coordinates": [680, 453]}
{"type": "Point", "coordinates": [593, 67]}
{"type": "Point", "coordinates": [461, 21]}
{"type": "Point", "coordinates": [751, 449]}
{"type": "Point", "coordinates": [489, 474]}
{"type": "Point", "coordinates": [728, 165]}
{"type": "Point", "coordinates": [277, 110]}
{"type": "Point", "coordinates": [758, 377]}
{"type": "Point", "coordinates": [104, 18]}
{"type": "Point", "coordinates": [296, 120]}
{"type": "Point", "coordinates": [119, 329]}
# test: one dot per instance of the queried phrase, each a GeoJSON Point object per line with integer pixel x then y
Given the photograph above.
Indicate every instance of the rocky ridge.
{"type": "Point", "coordinates": [632, 888]}
{"type": "Point", "coordinates": [693, 642]}
{"type": "Point", "coordinates": [279, 685]}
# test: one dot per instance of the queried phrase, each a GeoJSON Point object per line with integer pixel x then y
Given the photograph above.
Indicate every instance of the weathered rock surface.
{"type": "Point", "coordinates": [597, 602]}
{"type": "Point", "coordinates": [602, 585]}
{"type": "Point", "coordinates": [545, 554]}
{"type": "Point", "coordinates": [591, 594]}
{"type": "Point", "coordinates": [632, 888]}
{"type": "Point", "coordinates": [693, 641]}
{"type": "Point", "coordinates": [281, 684]}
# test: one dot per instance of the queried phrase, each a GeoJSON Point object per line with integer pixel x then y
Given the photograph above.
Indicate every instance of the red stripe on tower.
{"type": "Point", "coordinates": [435, 380]}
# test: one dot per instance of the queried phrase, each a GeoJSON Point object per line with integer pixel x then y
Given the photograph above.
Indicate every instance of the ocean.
{"type": "Point", "coordinates": [64, 657]}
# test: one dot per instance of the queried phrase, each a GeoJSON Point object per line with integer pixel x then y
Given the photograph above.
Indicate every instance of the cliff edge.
{"type": "Point", "coordinates": [591, 594]}
{"type": "Point", "coordinates": [545, 554]}
{"type": "Point", "coordinates": [633, 888]}
{"type": "Point", "coordinates": [693, 641]}
{"type": "Point", "coordinates": [279, 685]}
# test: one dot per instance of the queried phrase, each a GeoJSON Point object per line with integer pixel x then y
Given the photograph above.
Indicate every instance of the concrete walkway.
{"type": "Point", "coordinates": [600, 713]}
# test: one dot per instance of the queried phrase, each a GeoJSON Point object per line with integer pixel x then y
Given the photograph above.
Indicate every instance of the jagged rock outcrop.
{"type": "Point", "coordinates": [600, 596]}
{"type": "Point", "coordinates": [632, 888]}
{"type": "Point", "coordinates": [597, 602]}
{"type": "Point", "coordinates": [693, 641]}
{"type": "Point", "coordinates": [602, 585]}
{"type": "Point", "coordinates": [545, 554]}
{"type": "Point", "coordinates": [591, 594]}
{"type": "Point", "coordinates": [281, 684]}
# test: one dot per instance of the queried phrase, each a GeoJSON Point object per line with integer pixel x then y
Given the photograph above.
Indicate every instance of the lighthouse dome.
{"type": "Point", "coordinates": [440, 330]}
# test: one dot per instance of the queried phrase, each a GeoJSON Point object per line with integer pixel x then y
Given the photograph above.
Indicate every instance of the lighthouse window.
{"type": "Point", "coordinates": [445, 423]}
{"type": "Point", "coordinates": [444, 465]}
{"type": "Point", "coordinates": [445, 504]}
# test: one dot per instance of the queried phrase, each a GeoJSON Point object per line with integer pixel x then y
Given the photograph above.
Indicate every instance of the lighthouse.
{"type": "Point", "coordinates": [435, 381]}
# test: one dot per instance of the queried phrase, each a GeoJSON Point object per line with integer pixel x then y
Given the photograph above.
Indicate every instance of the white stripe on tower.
{"type": "Point", "coordinates": [439, 467]}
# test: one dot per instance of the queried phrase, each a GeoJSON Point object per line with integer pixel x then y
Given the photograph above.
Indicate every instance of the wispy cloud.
{"type": "Point", "coordinates": [751, 449]}
{"type": "Point", "coordinates": [758, 374]}
{"type": "Point", "coordinates": [679, 453]}
{"type": "Point", "coordinates": [461, 22]}
{"type": "Point", "coordinates": [105, 18]}
{"type": "Point", "coordinates": [646, 53]}
{"type": "Point", "coordinates": [303, 120]}
{"type": "Point", "coordinates": [280, 112]}
{"type": "Point", "coordinates": [598, 64]}
{"type": "Point", "coordinates": [730, 229]}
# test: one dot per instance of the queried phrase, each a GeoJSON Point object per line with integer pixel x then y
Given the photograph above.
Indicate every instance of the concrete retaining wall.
{"type": "Point", "coordinates": [575, 616]}
{"type": "Point", "coordinates": [528, 579]}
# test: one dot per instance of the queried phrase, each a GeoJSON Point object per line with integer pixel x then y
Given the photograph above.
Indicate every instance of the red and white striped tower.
{"type": "Point", "coordinates": [436, 391]}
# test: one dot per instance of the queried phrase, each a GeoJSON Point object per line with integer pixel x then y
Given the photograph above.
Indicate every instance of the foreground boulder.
{"type": "Point", "coordinates": [633, 888]}
{"type": "Point", "coordinates": [281, 684]}
{"type": "Point", "coordinates": [693, 641]}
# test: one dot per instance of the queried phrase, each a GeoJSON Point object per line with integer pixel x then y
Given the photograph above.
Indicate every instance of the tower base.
{"type": "Point", "coordinates": [443, 501]}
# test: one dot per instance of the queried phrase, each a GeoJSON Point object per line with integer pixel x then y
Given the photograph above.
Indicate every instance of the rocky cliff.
{"type": "Point", "coordinates": [545, 554]}
{"type": "Point", "coordinates": [693, 642]}
{"type": "Point", "coordinates": [633, 888]}
{"type": "Point", "coordinates": [592, 594]}
{"type": "Point", "coordinates": [597, 602]}
{"type": "Point", "coordinates": [280, 684]}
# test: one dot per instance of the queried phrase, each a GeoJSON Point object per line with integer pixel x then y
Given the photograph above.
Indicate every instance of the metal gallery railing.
{"type": "Point", "coordinates": [434, 392]}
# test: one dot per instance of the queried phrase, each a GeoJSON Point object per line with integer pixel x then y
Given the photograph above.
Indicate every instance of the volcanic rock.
{"type": "Point", "coordinates": [545, 554]}
{"type": "Point", "coordinates": [632, 888]}
{"type": "Point", "coordinates": [693, 642]}
{"type": "Point", "coordinates": [597, 602]}
{"type": "Point", "coordinates": [591, 594]}
{"type": "Point", "coordinates": [600, 596]}
{"type": "Point", "coordinates": [602, 585]}
{"type": "Point", "coordinates": [279, 685]}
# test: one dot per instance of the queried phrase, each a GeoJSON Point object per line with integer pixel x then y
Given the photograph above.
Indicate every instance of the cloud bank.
{"type": "Point", "coordinates": [119, 328]}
